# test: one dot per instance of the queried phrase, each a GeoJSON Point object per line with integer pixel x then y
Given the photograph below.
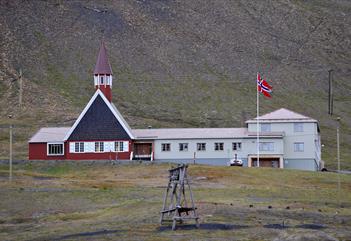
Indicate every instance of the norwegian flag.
{"type": "Point", "coordinates": [263, 86]}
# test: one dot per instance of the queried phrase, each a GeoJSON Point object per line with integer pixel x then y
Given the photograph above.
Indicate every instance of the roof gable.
{"type": "Point", "coordinates": [99, 121]}
{"type": "Point", "coordinates": [282, 115]}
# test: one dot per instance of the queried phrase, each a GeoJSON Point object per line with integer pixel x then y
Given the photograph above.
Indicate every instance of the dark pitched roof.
{"type": "Point", "coordinates": [102, 64]}
{"type": "Point", "coordinates": [99, 121]}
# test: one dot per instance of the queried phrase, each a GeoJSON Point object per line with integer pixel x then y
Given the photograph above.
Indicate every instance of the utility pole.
{"type": "Point", "coordinates": [338, 142]}
{"type": "Point", "coordinates": [338, 154]}
{"type": "Point", "coordinates": [20, 89]}
{"type": "Point", "coordinates": [330, 100]}
{"type": "Point", "coordinates": [10, 161]}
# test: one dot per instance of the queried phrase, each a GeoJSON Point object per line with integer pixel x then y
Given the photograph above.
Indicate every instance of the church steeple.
{"type": "Point", "coordinates": [103, 73]}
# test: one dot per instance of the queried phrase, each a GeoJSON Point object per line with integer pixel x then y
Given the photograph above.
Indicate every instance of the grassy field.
{"type": "Point", "coordinates": [71, 201]}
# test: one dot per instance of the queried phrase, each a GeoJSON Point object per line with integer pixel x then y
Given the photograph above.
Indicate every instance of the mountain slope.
{"type": "Point", "coordinates": [177, 63]}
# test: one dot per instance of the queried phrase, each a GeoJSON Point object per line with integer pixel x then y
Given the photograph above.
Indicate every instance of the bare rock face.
{"type": "Point", "coordinates": [179, 63]}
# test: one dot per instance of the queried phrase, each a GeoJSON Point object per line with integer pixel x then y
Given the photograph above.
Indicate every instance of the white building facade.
{"type": "Point", "coordinates": [287, 140]}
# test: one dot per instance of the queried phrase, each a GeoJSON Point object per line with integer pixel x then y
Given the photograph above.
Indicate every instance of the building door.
{"type": "Point", "coordinates": [266, 162]}
{"type": "Point", "coordinates": [142, 151]}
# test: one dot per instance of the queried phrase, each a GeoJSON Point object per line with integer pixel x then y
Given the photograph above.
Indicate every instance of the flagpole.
{"type": "Point", "coordinates": [258, 125]}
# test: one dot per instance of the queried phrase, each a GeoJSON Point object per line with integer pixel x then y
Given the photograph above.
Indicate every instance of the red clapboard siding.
{"type": "Point", "coordinates": [38, 151]}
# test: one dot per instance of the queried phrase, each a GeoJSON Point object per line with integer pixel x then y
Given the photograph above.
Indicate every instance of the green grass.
{"type": "Point", "coordinates": [76, 198]}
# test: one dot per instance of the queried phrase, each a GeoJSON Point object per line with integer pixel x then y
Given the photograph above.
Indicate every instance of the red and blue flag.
{"type": "Point", "coordinates": [263, 86]}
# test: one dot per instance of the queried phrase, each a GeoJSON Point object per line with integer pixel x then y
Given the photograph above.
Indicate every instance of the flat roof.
{"type": "Point", "coordinates": [198, 133]}
{"type": "Point", "coordinates": [50, 134]}
{"type": "Point", "coordinates": [57, 134]}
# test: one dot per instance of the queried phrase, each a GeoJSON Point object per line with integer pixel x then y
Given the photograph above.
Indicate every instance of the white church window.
{"type": "Point", "coordinates": [99, 146]}
{"type": "Point", "coordinates": [119, 146]}
{"type": "Point", "coordinates": [101, 79]}
{"type": "Point", "coordinates": [96, 80]}
{"type": "Point", "coordinates": [79, 147]}
{"type": "Point", "coordinates": [55, 149]}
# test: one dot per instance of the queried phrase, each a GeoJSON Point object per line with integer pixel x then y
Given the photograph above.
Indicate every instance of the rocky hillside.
{"type": "Point", "coordinates": [176, 63]}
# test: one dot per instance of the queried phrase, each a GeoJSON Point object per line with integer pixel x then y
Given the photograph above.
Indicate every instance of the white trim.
{"type": "Point", "coordinates": [50, 143]}
{"type": "Point", "coordinates": [125, 146]}
{"type": "Point", "coordinates": [71, 148]}
{"type": "Point", "coordinates": [98, 92]}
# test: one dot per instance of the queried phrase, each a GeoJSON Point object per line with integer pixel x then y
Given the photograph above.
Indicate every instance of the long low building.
{"type": "Point", "coordinates": [286, 139]}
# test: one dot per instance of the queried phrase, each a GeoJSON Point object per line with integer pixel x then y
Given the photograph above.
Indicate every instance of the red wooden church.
{"type": "Point", "coordinates": [100, 132]}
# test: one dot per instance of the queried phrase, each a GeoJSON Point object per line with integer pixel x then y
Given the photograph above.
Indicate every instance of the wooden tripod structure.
{"type": "Point", "coordinates": [175, 202]}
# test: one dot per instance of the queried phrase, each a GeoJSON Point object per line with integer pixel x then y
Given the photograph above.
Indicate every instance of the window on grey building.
{"type": "Point", "coordinates": [166, 147]}
{"type": "Point", "coordinates": [236, 146]}
{"type": "Point", "coordinates": [265, 127]}
{"type": "Point", "coordinates": [299, 146]}
{"type": "Point", "coordinates": [183, 146]}
{"type": "Point", "coordinates": [219, 146]}
{"type": "Point", "coordinates": [55, 149]}
{"type": "Point", "coordinates": [201, 146]}
{"type": "Point", "coordinates": [266, 146]}
{"type": "Point", "coordinates": [298, 127]}
{"type": "Point", "coordinates": [79, 147]}
{"type": "Point", "coordinates": [99, 146]}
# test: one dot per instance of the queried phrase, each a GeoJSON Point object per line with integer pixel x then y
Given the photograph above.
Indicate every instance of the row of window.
{"type": "Point", "coordinates": [236, 146]}
{"type": "Point", "coordinates": [101, 79]}
{"type": "Point", "coordinates": [56, 149]}
{"type": "Point", "coordinates": [99, 146]}
{"type": "Point", "coordinates": [266, 127]}
{"type": "Point", "coordinates": [218, 146]}
{"type": "Point", "coordinates": [269, 146]}
{"type": "Point", "coordinates": [120, 146]}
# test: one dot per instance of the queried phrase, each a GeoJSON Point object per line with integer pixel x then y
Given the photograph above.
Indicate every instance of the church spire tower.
{"type": "Point", "coordinates": [103, 73]}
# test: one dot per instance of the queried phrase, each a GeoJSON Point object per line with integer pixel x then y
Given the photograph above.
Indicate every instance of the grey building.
{"type": "Point", "coordinates": [287, 140]}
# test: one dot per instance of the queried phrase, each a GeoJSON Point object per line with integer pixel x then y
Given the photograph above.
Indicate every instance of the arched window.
{"type": "Point", "coordinates": [101, 79]}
